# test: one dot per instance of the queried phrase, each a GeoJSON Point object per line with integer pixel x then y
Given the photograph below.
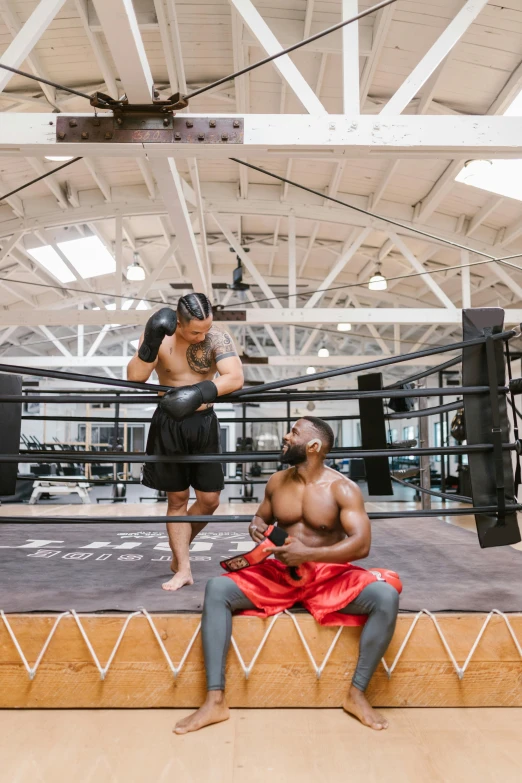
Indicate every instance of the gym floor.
{"type": "Point", "coordinates": [255, 746]}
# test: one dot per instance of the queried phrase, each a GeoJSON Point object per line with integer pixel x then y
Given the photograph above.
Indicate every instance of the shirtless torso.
{"type": "Point", "coordinates": [322, 512]}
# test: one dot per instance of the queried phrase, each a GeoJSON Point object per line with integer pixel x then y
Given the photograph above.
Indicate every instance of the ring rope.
{"type": "Point", "coordinates": [117, 382]}
{"type": "Point", "coordinates": [247, 669]}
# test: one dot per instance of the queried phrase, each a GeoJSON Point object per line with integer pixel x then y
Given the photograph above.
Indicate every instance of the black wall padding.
{"type": "Point", "coordinates": [479, 424]}
{"type": "Point", "coordinates": [373, 436]}
{"type": "Point", "coordinates": [10, 426]}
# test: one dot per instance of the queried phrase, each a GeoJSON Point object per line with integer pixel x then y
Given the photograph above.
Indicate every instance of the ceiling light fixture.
{"type": "Point", "coordinates": [135, 271]}
{"type": "Point", "coordinates": [310, 370]}
{"type": "Point", "coordinates": [377, 281]}
{"type": "Point", "coordinates": [344, 327]}
{"type": "Point", "coordinates": [58, 158]}
{"type": "Point", "coordinates": [323, 352]}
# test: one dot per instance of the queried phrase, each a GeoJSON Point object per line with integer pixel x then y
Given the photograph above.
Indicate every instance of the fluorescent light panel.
{"type": "Point", "coordinates": [88, 256]}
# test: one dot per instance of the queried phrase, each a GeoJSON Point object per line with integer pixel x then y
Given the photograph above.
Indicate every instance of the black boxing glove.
{"type": "Point", "coordinates": [185, 400]}
{"type": "Point", "coordinates": [159, 325]}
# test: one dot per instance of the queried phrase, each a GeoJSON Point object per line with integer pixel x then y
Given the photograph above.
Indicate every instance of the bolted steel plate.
{"type": "Point", "coordinates": [139, 128]}
{"type": "Point", "coordinates": [229, 315]}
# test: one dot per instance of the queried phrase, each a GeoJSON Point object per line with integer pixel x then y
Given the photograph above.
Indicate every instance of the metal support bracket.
{"type": "Point", "coordinates": [140, 124]}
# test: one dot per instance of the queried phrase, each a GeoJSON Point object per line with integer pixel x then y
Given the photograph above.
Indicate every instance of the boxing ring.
{"type": "Point", "coordinates": [83, 622]}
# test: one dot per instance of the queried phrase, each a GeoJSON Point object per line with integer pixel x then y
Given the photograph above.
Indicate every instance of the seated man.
{"type": "Point", "coordinates": [323, 513]}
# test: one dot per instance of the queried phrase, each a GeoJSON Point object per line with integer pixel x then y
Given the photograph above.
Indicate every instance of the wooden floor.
{"type": "Point", "coordinates": [256, 746]}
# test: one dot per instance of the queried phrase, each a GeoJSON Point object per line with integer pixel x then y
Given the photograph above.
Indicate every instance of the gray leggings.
{"type": "Point", "coordinates": [379, 600]}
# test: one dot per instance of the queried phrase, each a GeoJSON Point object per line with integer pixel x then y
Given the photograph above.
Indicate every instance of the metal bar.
{"type": "Point", "coordinates": [81, 520]}
{"type": "Point", "coordinates": [45, 81]}
{"type": "Point", "coordinates": [33, 371]}
{"type": "Point", "coordinates": [426, 373]}
{"type": "Point", "coordinates": [142, 420]}
{"type": "Point", "coordinates": [46, 457]}
{"type": "Point", "coordinates": [296, 396]}
{"type": "Point", "coordinates": [37, 179]}
{"type": "Point", "coordinates": [451, 406]}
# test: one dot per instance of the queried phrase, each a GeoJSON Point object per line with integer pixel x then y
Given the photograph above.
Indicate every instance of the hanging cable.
{"type": "Point", "coordinates": [46, 81]}
{"type": "Point", "coordinates": [289, 49]}
{"type": "Point", "coordinates": [37, 179]}
{"type": "Point", "coordinates": [362, 211]}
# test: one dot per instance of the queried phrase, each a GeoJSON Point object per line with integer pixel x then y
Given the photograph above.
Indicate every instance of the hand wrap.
{"type": "Point", "coordinates": [275, 536]}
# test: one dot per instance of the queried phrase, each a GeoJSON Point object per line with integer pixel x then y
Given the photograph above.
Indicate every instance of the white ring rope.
{"type": "Point", "coordinates": [247, 669]}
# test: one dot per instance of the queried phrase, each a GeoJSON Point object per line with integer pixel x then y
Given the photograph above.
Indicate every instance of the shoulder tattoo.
{"type": "Point", "coordinates": [222, 345]}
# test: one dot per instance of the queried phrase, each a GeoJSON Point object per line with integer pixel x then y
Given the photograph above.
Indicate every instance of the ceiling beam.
{"type": "Point", "coordinates": [381, 26]}
{"type": "Point", "coordinates": [305, 136]}
{"type": "Point", "coordinates": [350, 70]}
{"type": "Point", "coordinates": [120, 26]}
{"type": "Point", "coordinates": [26, 37]}
{"type": "Point", "coordinates": [433, 58]}
{"type": "Point", "coordinates": [254, 316]}
{"type": "Point", "coordinates": [270, 45]}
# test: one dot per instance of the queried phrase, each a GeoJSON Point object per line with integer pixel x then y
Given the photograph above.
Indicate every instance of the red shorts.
{"type": "Point", "coordinates": [325, 588]}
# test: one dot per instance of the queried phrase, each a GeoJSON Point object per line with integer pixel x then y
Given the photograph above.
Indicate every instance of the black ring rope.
{"type": "Point", "coordinates": [237, 519]}
{"type": "Point", "coordinates": [77, 457]}
{"type": "Point", "coordinates": [391, 360]}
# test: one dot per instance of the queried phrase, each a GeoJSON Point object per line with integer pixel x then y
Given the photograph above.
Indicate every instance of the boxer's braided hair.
{"type": "Point", "coordinates": [194, 306]}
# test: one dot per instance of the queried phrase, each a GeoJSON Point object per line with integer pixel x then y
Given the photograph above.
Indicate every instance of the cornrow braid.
{"type": "Point", "coordinates": [194, 306]}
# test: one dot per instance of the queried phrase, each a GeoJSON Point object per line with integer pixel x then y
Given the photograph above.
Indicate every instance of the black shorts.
{"type": "Point", "coordinates": [197, 434]}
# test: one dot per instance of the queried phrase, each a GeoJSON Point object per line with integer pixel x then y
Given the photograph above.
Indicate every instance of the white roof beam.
{"type": "Point", "coordinates": [418, 267]}
{"type": "Point", "coordinates": [344, 258]}
{"type": "Point", "coordinates": [387, 178]}
{"type": "Point", "coordinates": [437, 53]}
{"type": "Point", "coordinates": [26, 37]}
{"type": "Point", "coordinates": [50, 336]}
{"type": "Point", "coordinates": [269, 43]}
{"type": "Point", "coordinates": [491, 205]}
{"type": "Point", "coordinates": [98, 178]}
{"type": "Point", "coordinates": [465, 279]}
{"type": "Point", "coordinates": [146, 173]}
{"type": "Point", "coordinates": [97, 49]}
{"type": "Point", "coordinates": [171, 44]}
{"type": "Point", "coordinates": [118, 20]}
{"type": "Point", "coordinates": [306, 136]}
{"type": "Point", "coordinates": [50, 182]}
{"type": "Point", "coordinates": [308, 18]}
{"type": "Point", "coordinates": [350, 39]}
{"type": "Point", "coordinates": [274, 246]}
{"type": "Point", "coordinates": [381, 27]}
{"type": "Point", "coordinates": [248, 264]}
{"type": "Point", "coordinates": [255, 316]}
{"type": "Point", "coordinates": [428, 90]}
{"type": "Point", "coordinates": [311, 243]}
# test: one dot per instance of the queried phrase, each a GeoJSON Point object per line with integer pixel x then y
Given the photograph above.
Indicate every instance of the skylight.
{"type": "Point", "coordinates": [503, 177]}
{"type": "Point", "coordinates": [87, 255]}
{"type": "Point", "coordinates": [51, 261]}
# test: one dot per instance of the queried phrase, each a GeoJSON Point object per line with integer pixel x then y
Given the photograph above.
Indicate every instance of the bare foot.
{"type": "Point", "coordinates": [180, 579]}
{"type": "Point", "coordinates": [358, 705]}
{"type": "Point", "coordinates": [214, 710]}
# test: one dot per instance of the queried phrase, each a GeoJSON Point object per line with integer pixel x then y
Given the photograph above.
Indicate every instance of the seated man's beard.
{"type": "Point", "coordinates": [294, 455]}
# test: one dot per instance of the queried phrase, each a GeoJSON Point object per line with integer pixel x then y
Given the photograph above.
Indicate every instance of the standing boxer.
{"type": "Point", "coordinates": [186, 351]}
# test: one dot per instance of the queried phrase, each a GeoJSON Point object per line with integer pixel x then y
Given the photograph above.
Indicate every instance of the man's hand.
{"type": "Point", "coordinates": [160, 324]}
{"type": "Point", "coordinates": [257, 529]}
{"type": "Point", "coordinates": [292, 553]}
{"type": "Point", "coordinates": [183, 401]}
